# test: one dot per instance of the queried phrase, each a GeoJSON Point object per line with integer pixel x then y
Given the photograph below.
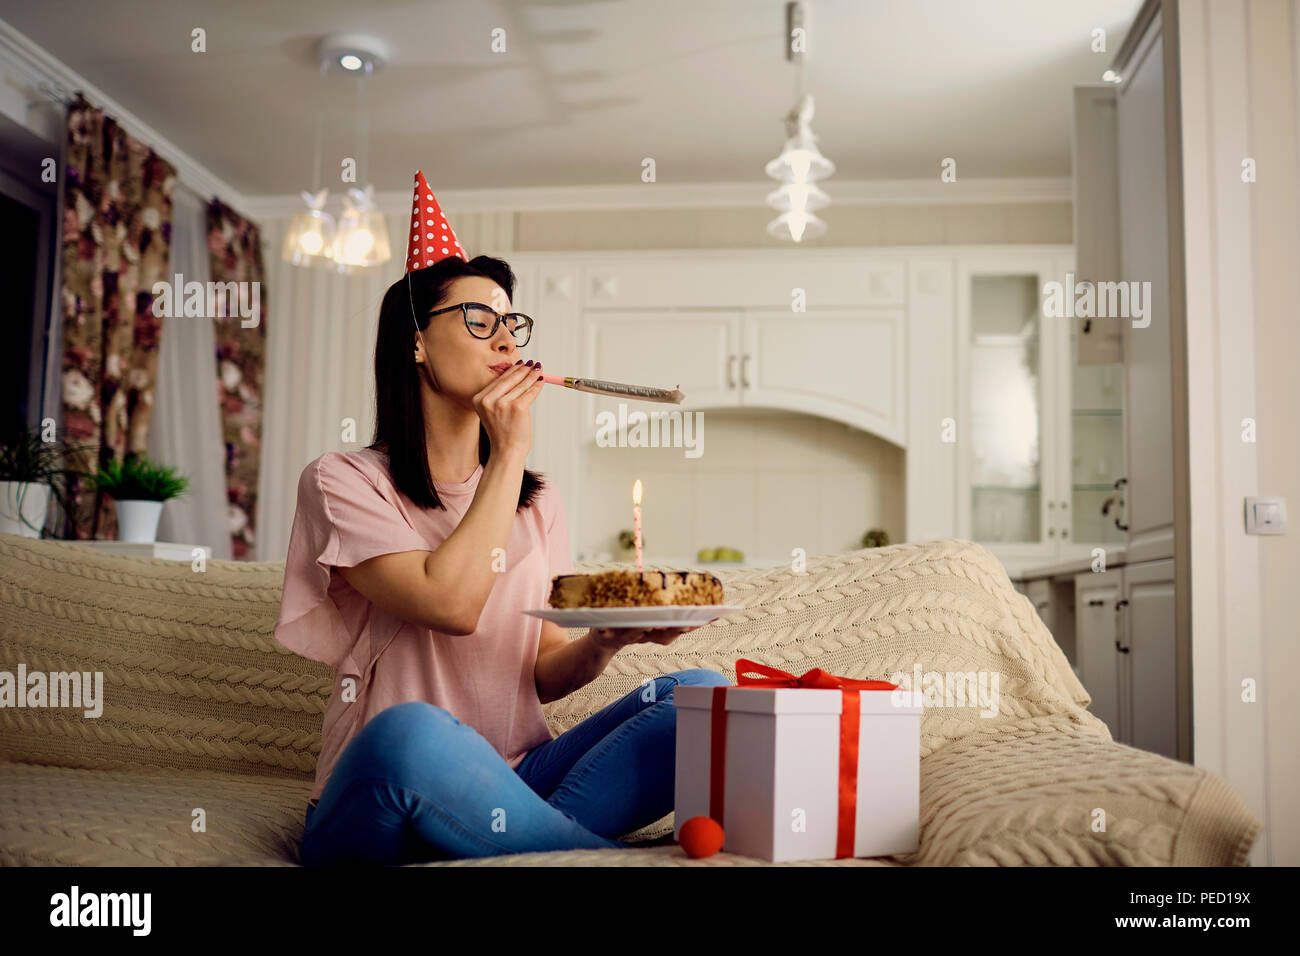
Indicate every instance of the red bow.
{"type": "Point", "coordinates": [850, 725]}
{"type": "Point", "coordinates": [817, 678]}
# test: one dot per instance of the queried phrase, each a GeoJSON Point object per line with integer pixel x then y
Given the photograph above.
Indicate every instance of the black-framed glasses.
{"type": "Point", "coordinates": [476, 320]}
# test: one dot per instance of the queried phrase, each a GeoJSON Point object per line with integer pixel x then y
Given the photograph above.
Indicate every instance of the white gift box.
{"type": "Point", "coordinates": [782, 770]}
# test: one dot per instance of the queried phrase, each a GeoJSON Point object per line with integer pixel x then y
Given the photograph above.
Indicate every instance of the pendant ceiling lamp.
{"type": "Point", "coordinates": [309, 240]}
{"type": "Point", "coordinates": [800, 163]}
{"type": "Point", "coordinates": [360, 239]}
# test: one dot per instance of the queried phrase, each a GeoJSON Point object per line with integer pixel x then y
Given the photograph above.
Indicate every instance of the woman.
{"type": "Point", "coordinates": [409, 564]}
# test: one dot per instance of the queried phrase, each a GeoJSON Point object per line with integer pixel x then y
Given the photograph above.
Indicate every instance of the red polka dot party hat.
{"type": "Point", "coordinates": [432, 238]}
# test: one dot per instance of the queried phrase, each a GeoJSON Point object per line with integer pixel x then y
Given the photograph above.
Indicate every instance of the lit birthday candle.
{"type": "Point", "coordinates": [636, 519]}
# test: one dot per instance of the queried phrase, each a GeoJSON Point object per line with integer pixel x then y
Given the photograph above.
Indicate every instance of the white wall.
{"type": "Point", "coordinates": [1238, 99]}
{"type": "Point", "coordinates": [1275, 119]}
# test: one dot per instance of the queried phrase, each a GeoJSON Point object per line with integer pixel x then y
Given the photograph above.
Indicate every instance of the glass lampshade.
{"type": "Point", "coordinates": [800, 160]}
{"type": "Point", "coordinates": [309, 240]}
{"type": "Point", "coordinates": [796, 226]}
{"type": "Point", "coordinates": [798, 197]}
{"type": "Point", "coordinates": [361, 239]}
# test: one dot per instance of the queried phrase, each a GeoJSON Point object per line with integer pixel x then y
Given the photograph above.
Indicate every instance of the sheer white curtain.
{"type": "Point", "coordinates": [320, 342]}
{"type": "Point", "coordinates": [186, 428]}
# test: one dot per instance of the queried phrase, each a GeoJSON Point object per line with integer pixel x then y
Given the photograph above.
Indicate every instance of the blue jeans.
{"type": "Point", "coordinates": [416, 784]}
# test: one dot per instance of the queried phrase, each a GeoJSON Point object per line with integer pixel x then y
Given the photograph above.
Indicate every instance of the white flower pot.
{"type": "Point", "coordinates": [138, 520]}
{"type": "Point", "coordinates": [23, 506]}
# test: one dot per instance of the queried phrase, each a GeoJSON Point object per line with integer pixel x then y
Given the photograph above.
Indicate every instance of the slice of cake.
{"type": "Point", "coordinates": [635, 589]}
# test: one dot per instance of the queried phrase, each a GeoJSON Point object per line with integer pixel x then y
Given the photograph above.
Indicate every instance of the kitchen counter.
{"type": "Point", "coordinates": [1114, 559]}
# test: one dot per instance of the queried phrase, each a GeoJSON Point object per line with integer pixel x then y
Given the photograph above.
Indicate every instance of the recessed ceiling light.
{"type": "Point", "coordinates": [352, 51]}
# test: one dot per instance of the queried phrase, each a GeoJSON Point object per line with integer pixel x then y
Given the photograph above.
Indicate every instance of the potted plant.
{"type": "Point", "coordinates": [875, 538]}
{"type": "Point", "coordinates": [138, 487]}
{"type": "Point", "coordinates": [31, 470]}
{"type": "Point", "coordinates": [627, 545]}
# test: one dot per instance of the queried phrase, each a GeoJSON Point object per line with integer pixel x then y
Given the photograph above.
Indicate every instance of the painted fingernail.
{"type": "Point", "coordinates": [530, 361]}
{"type": "Point", "coordinates": [519, 361]}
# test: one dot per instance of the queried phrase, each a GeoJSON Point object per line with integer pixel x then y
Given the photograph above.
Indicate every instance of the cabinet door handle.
{"type": "Point", "coordinates": [731, 371]}
{"type": "Point", "coordinates": [1119, 608]}
{"type": "Point", "coordinates": [744, 370]}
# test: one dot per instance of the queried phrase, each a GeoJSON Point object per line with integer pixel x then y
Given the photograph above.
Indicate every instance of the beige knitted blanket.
{"type": "Point", "coordinates": [199, 697]}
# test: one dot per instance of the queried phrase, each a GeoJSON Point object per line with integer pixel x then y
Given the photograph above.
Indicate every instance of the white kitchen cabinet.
{"type": "Point", "coordinates": [1097, 664]}
{"type": "Point", "coordinates": [548, 291]}
{"type": "Point", "coordinates": [1129, 653]}
{"type": "Point", "coordinates": [1124, 640]}
{"type": "Point", "coordinates": [741, 279]}
{"type": "Point", "coordinates": [1094, 154]}
{"type": "Point", "coordinates": [1037, 438]}
{"type": "Point", "coordinates": [844, 364]}
{"type": "Point", "coordinates": [1148, 673]}
{"type": "Point", "coordinates": [695, 351]}
{"type": "Point", "coordinates": [1144, 243]}
{"type": "Point", "coordinates": [1007, 467]}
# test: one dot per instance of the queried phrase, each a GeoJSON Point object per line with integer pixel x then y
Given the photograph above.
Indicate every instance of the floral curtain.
{"type": "Point", "coordinates": [117, 213]}
{"type": "Point", "coordinates": [235, 254]}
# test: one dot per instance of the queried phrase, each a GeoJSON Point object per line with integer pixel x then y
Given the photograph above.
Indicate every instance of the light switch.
{"type": "Point", "coordinates": [1266, 516]}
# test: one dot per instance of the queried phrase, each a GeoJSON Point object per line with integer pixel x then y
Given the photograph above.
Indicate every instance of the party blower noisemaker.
{"type": "Point", "coordinates": [647, 393]}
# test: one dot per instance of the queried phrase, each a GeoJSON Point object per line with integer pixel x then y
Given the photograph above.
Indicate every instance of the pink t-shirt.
{"type": "Point", "coordinates": [349, 510]}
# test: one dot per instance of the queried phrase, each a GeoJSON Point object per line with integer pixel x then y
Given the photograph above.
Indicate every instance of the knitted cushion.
{"type": "Point", "coordinates": [192, 677]}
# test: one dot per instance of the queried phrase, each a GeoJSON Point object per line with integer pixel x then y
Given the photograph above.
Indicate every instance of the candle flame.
{"type": "Point", "coordinates": [636, 492]}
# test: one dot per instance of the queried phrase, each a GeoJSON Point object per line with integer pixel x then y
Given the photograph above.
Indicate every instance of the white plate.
{"type": "Point", "coordinates": [674, 615]}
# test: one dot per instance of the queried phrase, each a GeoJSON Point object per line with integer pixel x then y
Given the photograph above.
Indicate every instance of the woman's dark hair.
{"type": "Point", "coordinates": [399, 416]}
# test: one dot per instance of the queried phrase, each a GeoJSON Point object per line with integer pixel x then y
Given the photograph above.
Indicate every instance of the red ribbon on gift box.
{"type": "Point", "coordinates": [850, 724]}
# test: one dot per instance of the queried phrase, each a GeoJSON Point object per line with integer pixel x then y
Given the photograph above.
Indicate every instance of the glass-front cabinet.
{"type": "Point", "coordinates": [1096, 451]}
{"type": "Point", "coordinates": [1039, 439]}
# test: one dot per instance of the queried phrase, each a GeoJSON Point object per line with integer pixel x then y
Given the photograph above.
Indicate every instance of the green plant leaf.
{"type": "Point", "coordinates": [139, 478]}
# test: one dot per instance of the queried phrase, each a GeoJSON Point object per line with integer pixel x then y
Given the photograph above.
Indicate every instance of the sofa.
{"type": "Point", "coordinates": [205, 750]}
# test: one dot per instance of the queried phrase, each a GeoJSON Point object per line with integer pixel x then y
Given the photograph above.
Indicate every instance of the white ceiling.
{"type": "Point", "coordinates": [588, 88]}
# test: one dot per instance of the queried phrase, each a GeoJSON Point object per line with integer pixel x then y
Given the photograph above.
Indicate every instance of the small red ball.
{"type": "Point", "coordinates": [701, 836]}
